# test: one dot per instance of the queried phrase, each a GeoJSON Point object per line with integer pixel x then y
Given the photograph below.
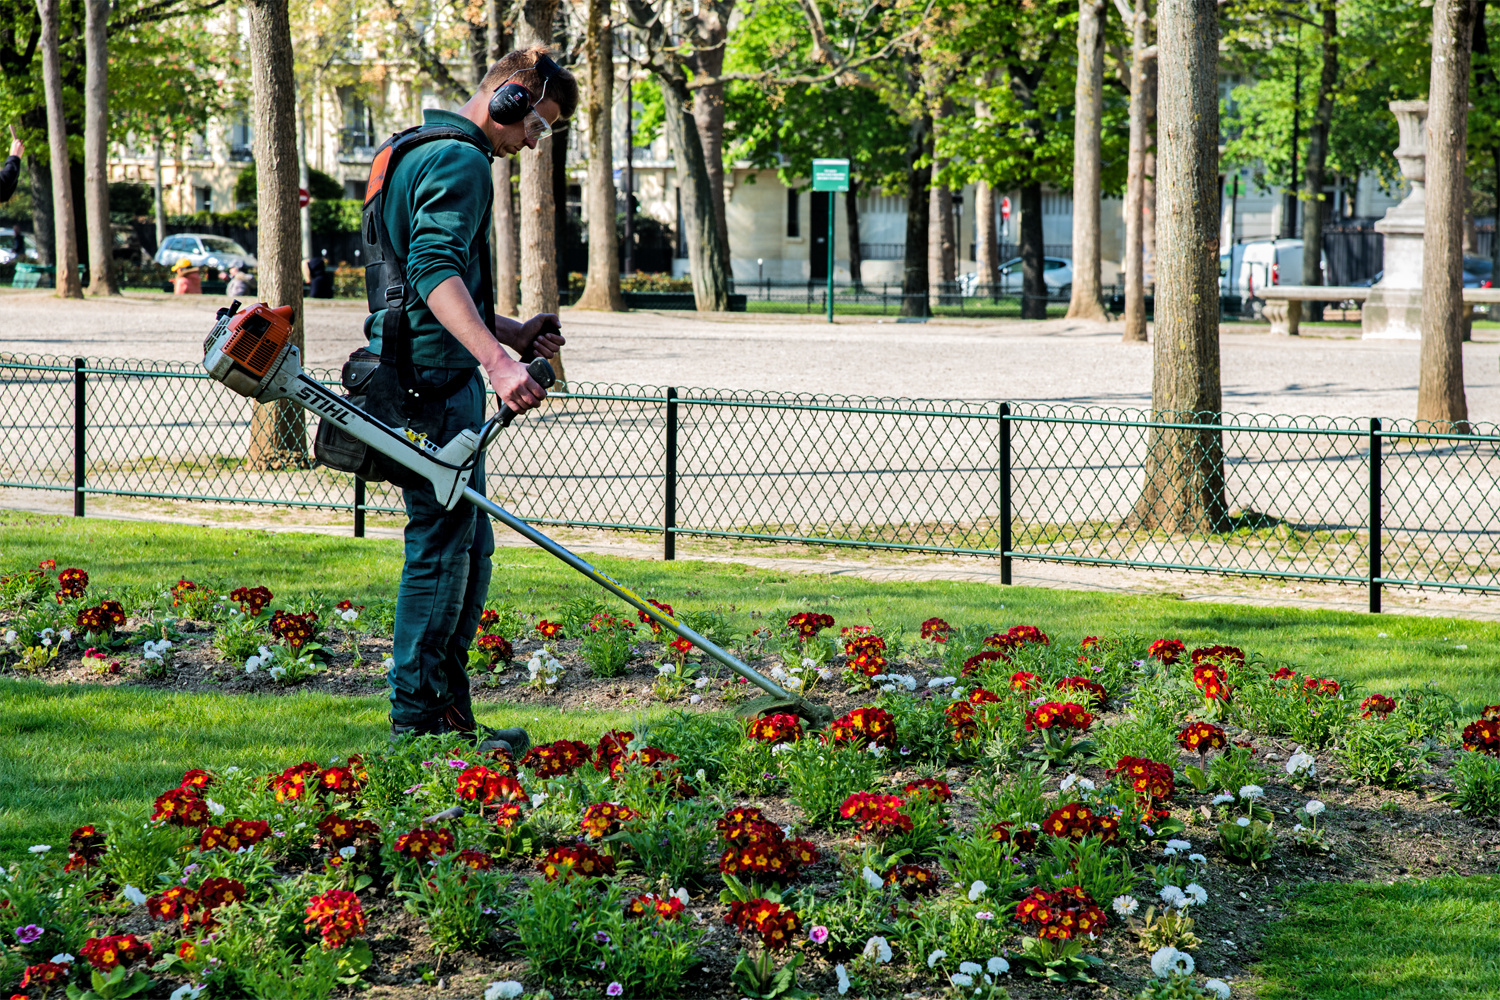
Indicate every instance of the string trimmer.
{"type": "Point", "coordinates": [251, 352]}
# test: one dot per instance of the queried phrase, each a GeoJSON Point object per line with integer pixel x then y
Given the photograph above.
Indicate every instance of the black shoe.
{"type": "Point", "coordinates": [513, 741]}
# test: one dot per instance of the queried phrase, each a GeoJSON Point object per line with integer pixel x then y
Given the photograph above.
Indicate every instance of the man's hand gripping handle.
{"type": "Point", "coordinates": [542, 374]}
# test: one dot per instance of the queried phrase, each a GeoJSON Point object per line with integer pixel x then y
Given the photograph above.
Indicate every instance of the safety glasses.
{"type": "Point", "coordinates": [537, 127]}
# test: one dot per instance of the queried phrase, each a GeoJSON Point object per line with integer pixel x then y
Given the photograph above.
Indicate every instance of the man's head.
{"type": "Point", "coordinates": [537, 93]}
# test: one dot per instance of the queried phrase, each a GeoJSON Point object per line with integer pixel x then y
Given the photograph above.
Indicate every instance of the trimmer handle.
{"type": "Point", "coordinates": [542, 374]}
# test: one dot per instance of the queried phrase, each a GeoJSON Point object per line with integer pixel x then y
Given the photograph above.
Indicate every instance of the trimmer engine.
{"type": "Point", "coordinates": [246, 349]}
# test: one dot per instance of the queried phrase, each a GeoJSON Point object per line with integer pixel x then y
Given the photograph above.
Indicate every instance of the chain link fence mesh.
{"type": "Point", "coordinates": [1236, 494]}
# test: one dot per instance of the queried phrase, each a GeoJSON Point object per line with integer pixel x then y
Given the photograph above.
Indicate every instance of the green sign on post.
{"type": "Point", "coordinates": [831, 176]}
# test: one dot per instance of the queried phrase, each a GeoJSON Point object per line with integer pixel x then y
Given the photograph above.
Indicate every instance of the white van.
{"type": "Point", "coordinates": [1271, 262]}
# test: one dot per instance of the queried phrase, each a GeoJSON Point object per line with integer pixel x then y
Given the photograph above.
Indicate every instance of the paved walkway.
{"type": "Point", "coordinates": [1050, 361]}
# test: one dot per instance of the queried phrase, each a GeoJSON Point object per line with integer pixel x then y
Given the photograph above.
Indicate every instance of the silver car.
{"type": "Point", "coordinates": [1057, 275]}
{"type": "Point", "coordinates": [8, 248]}
{"type": "Point", "coordinates": [205, 250]}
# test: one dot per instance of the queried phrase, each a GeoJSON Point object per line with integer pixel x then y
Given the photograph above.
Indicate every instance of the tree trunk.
{"type": "Point", "coordinates": [158, 203]}
{"type": "Point", "coordinates": [1314, 212]}
{"type": "Point", "coordinates": [851, 212]}
{"type": "Point", "coordinates": [1135, 185]}
{"type": "Point", "coordinates": [538, 257]}
{"type": "Point", "coordinates": [42, 228]}
{"type": "Point", "coordinates": [278, 432]}
{"type": "Point", "coordinates": [1440, 388]}
{"type": "Point", "coordinates": [1033, 286]}
{"type": "Point", "coordinates": [96, 150]}
{"type": "Point", "coordinates": [1148, 180]}
{"type": "Point", "coordinates": [941, 263]}
{"type": "Point", "coordinates": [504, 235]}
{"type": "Point", "coordinates": [304, 178]}
{"type": "Point", "coordinates": [986, 239]}
{"type": "Point", "coordinates": [712, 29]}
{"type": "Point", "coordinates": [63, 233]}
{"type": "Point", "coordinates": [1184, 469]}
{"type": "Point", "coordinates": [602, 290]}
{"type": "Point", "coordinates": [914, 285]}
{"type": "Point", "coordinates": [1088, 96]}
{"type": "Point", "coordinates": [708, 264]}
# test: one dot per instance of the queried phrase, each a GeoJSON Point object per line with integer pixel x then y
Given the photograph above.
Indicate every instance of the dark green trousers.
{"type": "Point", "coordinates": [445, 579]}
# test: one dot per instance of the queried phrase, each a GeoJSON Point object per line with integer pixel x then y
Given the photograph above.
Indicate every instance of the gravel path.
{"type": "Point", "coordinates": [1052, 361]}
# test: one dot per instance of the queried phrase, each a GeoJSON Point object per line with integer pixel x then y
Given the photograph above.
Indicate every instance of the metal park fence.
{"type": "Point", "coordinates": [1375, 503]}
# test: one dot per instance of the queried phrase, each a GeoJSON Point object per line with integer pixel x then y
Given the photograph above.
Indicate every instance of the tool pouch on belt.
{"type": "Point", "coordinates": [386, 385]}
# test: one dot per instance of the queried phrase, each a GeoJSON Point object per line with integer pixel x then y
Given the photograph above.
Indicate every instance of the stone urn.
{"type": "Point", "coordinates": [1394, 309]}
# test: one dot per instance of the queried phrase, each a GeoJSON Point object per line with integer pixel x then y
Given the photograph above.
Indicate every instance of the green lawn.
{"type": "Point", "coordinates": [1409, 941]}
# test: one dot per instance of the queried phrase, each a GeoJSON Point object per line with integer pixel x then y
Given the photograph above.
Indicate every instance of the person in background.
{"type": "Point", "coordinates": [239, 282]}
{"type": "Point", "coordinates": [319, 277]}
{"type": "Point", "coordinates": [10, 173]}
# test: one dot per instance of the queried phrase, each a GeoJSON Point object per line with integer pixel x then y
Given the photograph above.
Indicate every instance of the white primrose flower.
{"type": "Point", "coordinates": [1242, 821]}
{"type": "Point", "coordinates": [215, 807]}
{"type": "Point", "coordinates": [62, 958]}
{"type": "Point", "coordinates": [1169, 961]}
{"type": "Point", "coordinates": [1125, 905]}
{"type": "Point", "coordinates": [388, 663]}
{"type": "Point", "coordinates": [871, 879]}
{"type": "Point", "coordinates": [1314, 807]}
{"type": "Point", "coordinates": [843, 975]}
{"type": "Point", "coordinates": [961, 979]}
{"type": "Point", "coordinates": [505, 990]}
{"type": "Point", "coordinates": [277, 673]}
{"type": "Point", "coordinates": [1222, 798]}
{"type": "Point", "coordinates": [347, 852]}
{"type": "Point", "coordinates": [187, 991]}
{"type": "Point", "coordinates": [976, 890]}
{"type": "Point", "coordinates": [777, 674]}
{"type": "Point", "coordinates": [877, 752]}
{"type": "Point", "coordinates": [537, 799]}
{"type": "Point", "coordinates": [826, 673]}
{"type": "Point", "coordinates": [970, 968]}
{"type": "Point", "coordinates": [700, 683]}
{"type": "Point", "coordinates": [1219, 988]}
{"type": "Point", "coordinates": [1197, 892]}
{"type": "Point", "coordinates": [665, 670]}
{"type": "Point", "coordinates": [695, 699]}
{"type": "Point", "coordinates": [997, 965]}
{"type": "Point", "coordinates": [780, 749]}
{"type": "Point", "coordinates": [10, 636]}
{"type": "Point", "coordinates": [679, 894]}
{"type": "Point", "coordinates": [1252, 792]}
{"type": "Point", "coordinates": [1180, 845]}
{"type": "Point", "coordinates": [133, 894]}
{"type": "Point", "coordinates": [1300, 763]}
{"type": "Point", "coordinates": [39, 848]}
{"type": "Point", "coordinates": [879, 949]}
{"type": "Point", "coordinates": [936, 957]}
{"type": "Point", "coordinates": [808, 663]}
{"type": "Point", "coordinates": [941, 682]}
{"type": "Point", "coordinates": [1067, 783]}
{"type": "Point", "coordinates": [349, 614]}
{"type": "Point", "coordinates": [1173, 896]}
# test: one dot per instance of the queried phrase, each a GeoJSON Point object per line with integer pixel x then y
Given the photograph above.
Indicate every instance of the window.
{"type": "Point", "coordinates": [793, 216]}
{"type": "Point", "coordinates": [355, 190]}
{"type": "Point", "coordinates": [359, 122]}
{"type": "Point", "coordinates": [205, 198]}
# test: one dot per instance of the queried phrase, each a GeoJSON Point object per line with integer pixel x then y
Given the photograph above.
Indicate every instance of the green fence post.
{"type": "Point", "coordinates": [1375, 487]}
{"type": "Point", "coordinates": [669, 497]}
{"type": "Point", "coordinates": [80, 450]}
{"type": "Point", "coordinates": [1005, 493]}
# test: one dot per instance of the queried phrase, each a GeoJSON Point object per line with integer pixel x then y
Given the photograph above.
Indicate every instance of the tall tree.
{"type": "Point", "coordinates": [710, 27]}
{"type": "Point", "coordinates": [1184, 468]}
{"type": "Point", "coordinates": [539, 288]}
{"type": "Point", "coordinates": [1087, 169]}
{"type": "Point", "coordinates": [915, 281]}
{"type": "Point", "coordinates": [278, 433]}
{"type": "Point", "coordinates": [64, 234]}
{"type": "Point", "coordinates": [708, 258]}
{"type": "Point", "coordinates": [1314, 210]}
{"type": "Point", "coordinates": [1135, 184]}
{"type": "Point", "coordinates": [603, 288]}
{"type": "Point", "coordinates": [96, 149]}
{"type": "Point", "coordinates": [507, 252]}
{"type": "Point", "coordinates": [1440, 388]}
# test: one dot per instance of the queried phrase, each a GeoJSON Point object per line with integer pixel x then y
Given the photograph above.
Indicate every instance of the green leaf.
{"type": "Point", "coordinates": [355, 958]}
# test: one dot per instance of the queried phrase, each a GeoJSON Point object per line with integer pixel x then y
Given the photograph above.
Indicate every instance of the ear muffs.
{"type": "Point", "coordinates": [510, 103]}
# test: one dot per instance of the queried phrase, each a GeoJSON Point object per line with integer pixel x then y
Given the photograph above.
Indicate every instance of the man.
{"type": "Point", "coordinates": [437, 215]}
{"type": "Point", "coordinates": [10, 173]}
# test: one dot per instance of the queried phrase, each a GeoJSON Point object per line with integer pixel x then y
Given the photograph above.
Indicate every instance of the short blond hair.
{"type": "Point", "coordinates": [520, 64]}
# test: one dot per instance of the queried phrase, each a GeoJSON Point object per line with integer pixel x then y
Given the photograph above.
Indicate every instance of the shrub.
{"type": "Point", "coordinates": [708, 743]}
{"type": "Point", "coordinates": [1476, 780]}
{"type": "Point", "coordinates": [1378, 753]}
{"type": "Point", "coordinates": [606, 644]}
{"type": "Point", "coordinates": [822, 777]}
{"type": "Point", "coordinates": [1135, 737]}
{"type": "Point", "coordinates": [455, 902]}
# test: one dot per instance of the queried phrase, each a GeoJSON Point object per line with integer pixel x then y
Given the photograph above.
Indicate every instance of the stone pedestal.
{"type": "Point", "coordinates": [1394, 309]}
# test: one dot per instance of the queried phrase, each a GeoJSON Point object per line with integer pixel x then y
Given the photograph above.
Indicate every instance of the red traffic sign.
{"type": "Point", "coordinates": [1005, 209]}
{"type": "Point", "coordinates": [304, 199]}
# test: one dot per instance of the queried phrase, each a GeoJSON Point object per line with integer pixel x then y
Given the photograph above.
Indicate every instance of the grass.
{"type": "Point", "coordinates": [972, 307]}
{"type": "Point", "coordinates": [75, 754]}
{"type": "Point", "coordinates": [1419, 940]}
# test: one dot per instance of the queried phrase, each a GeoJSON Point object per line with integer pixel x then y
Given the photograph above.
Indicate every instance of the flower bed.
{"type": "Point", "coordinates": [992, 810]}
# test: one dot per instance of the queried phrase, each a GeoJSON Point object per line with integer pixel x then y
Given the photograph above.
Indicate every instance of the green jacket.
{"type": "Point", "coordinates": [437, 212]}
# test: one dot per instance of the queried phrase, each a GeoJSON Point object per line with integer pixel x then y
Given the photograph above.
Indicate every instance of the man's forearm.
{"type": "Point", "coordinates": [451, 303]}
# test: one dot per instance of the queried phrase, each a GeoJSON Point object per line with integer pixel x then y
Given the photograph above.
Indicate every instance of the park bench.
{"type": "Point", "coordinates": [1283, 303]}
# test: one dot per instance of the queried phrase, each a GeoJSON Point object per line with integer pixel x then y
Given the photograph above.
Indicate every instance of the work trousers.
{"type": "Point", "coordinates": [445, 578]}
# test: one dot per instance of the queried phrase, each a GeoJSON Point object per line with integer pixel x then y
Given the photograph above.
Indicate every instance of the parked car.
{"type": "Point", "coordinates": [205, 250]}
{"type": "Point", "coordinates": [1479, 270]}
{"type": "Point", "coordinates": [1271, 262]}
{"type": "Point", "coordinates": [11, 250]}
{"type": "Point", "coordinates": [1057, 275]}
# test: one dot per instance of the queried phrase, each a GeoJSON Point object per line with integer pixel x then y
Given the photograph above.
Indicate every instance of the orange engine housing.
{"type": "Point", "coordinates": [257, 336]}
